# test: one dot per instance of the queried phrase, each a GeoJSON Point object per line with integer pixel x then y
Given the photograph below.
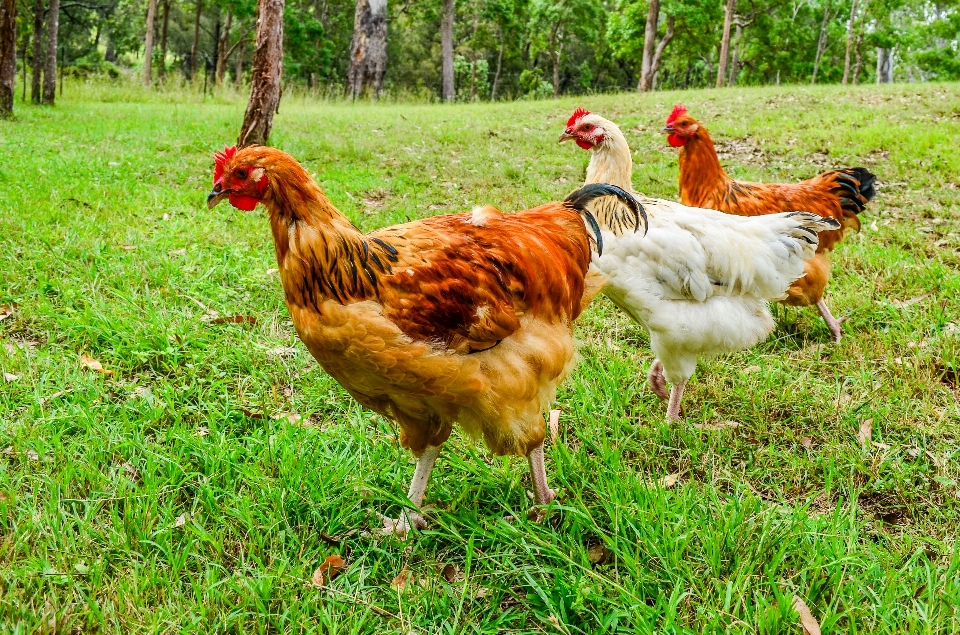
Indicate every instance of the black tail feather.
{"type": "Point", "coordinates": [579, 200]}
{"type": "Point", "coordinates": [859, 184]}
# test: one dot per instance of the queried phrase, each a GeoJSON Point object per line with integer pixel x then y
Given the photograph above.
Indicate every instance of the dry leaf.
{"type": "Point", "coordinates": [402, 579]}
{"type": "Point", "coordinates": [719, 425]}
{"type": "Point", "coordinates": [235, 319]}
{"type": "Point", "coordinates": [88, 362]}
{"type": "Point", "coordinates": [451, 573]}
{"type": "Point", "coordinates": [330, 568]}
{"type": "Point", "coordinates": [290, 417]}
{"type": "Point", "coordinates": [131, 471]}
{"type": "Point", "coordinates": [865, 434]}
{"type": "Point", "coordinates": [905, 303]}
{"type": "Point", "coordinates": [598, 554]}
{"type": "Point", "coordinates": [6, 310]}
{"type": "Point", "coordinates": [201, 432]}
{"type": "Point", "coordinates": [282, 351]}
{"type": "Point", "coordinates": [10, 377]}
{"type": "Point", "coordinates": [554, 425]}
{"type": "Point", "coordinates": [272, 271]}
{"type": "Point", "coordinates": [809, 623]}
{"type": "Point", "coordinates": [481, 593]}
{"type": "Point", "coordinates": [177, 252]}
{"type": "Point", "coordinates": [8, 451]}
{"type": "Point", "coordinates": [128, 247]}
{"type": "Point", "coordinates": [806, 442]}
{"type": "Point", "coordinates": [336, 540]}
{"type": "Point", "coordinates": [751, 369]}
{"type": "Point", "coordinates": [3, 497]}
{"type": "Point", "coordinates": [252, 414]}
{"type": "Point", "coordinates": [32, 455]}
{"type": "Point", "coordinates": [180, 521]}
{"type": "Point", "coordinates": [671, 479]}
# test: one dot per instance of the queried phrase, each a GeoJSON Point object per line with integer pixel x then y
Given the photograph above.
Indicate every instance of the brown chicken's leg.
{"type": "Point", "coordinates": [831, 321]}
{"type": "Point", "coordinates": [418, 487]}
{"type": "Point", "coordinates": [673, 409]}
{"type": "Point", "coordinates": [658, 383]}
{"type": "Point", "coordinates": [542, 493]}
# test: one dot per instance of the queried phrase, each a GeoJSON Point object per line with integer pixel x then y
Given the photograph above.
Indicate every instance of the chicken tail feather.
{"type": "Point", "coordinates": [580, 200]}
{"type": "Point", "coordinates": [854, 187]}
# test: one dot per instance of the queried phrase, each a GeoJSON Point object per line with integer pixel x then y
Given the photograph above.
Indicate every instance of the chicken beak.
{"type": "Point", "coordinates": [215, 197]}
{"type": "Point", "coordinates": [668, 130]}
{"type": "Point", "coordinates": [565, 136]}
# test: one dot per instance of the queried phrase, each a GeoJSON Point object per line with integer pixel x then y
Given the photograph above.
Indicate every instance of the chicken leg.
{"type": "Point", "coordinates": [542, 493]}
{"type": "Point", "coordinates": [831, 321]}
{"type": "Point", "coordinates": [673, 409]}
{"type": "Point", "coordinates": [658, 383]}
{"type": "Point", "coordinates": [418, 487]}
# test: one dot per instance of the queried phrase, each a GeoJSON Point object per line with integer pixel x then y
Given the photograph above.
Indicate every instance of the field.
{"type": "Point", "coordinates": [197, 483]}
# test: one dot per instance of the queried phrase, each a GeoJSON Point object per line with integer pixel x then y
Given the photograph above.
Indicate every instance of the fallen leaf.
{"type": "Point", "coordinates": [290, 417]}
{"type": "Point", "coordinates": [282, 351]}
{"type": "Point", "coordinates": [807, 621]}
{"type": "Point", "coordinates": [671, 479]}
{"type": "Point", "coordinates": [177, 252]}
{"type": "Point", "coordinates": [235, 319]}
{"type": "Point", "coordinates": [336, 540]}
{"type": "Point", "coordinates": [59, 393]}
{"type": "Point", "coordinates": [142, 391]}
{"type": "Point", "coordinates": [716, 425]}
{"type": "Point", "coordinates": [10, 377]}
{"type": "Point", "coordinates": [88, 362]}
{"type": "Point", "coordinates": [252, 414]}
{"type": "Point", "coordinates": [201, 432]}
{"type": "Point", "coordinates": [481, 593]}
{"type": "Point", "coordinates": [180, 521]}
{"type": "Point", "coordinates": [131, 471]}
{"type": "Point", "coordinates": [6, 310]}
{"type": "Point", "coordinates": [554, 425]}
{"type": "Point", "coordinates": [272, 271]}
{"type": "Point", "coordinates": [451, 573]}
{"type": "Point", "coordinates": [401, 580]}
{"type": "Point", "coordinates": [865, 434]}
{"type": "Point", "coordinates": [751, 369]}
{"type": "Point", "coordinates": [128, 247]}
{"type": "Point", "coordinates": [598, 554]}
{"type": "Point", "coordinates": [3, 497]}
{"type": "Point", "coordinates": [882, 446]}
{"type": "Point", "coordinates": [81, 568]}
{"type": "Point", "coordinates": [166, 217]}
{"type": "Point", "coordinates": [8, 451]}
{"type": "Point", "coordinates": [32, 455]}
{"type": "Point", "coordinates": [905, 303]}
{"type": "Point", "coordinates": [330, 568]}
{"type": "Point", "coordinates": [806, 442]}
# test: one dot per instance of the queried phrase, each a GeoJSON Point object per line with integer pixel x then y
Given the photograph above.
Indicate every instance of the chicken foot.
{"type": "Point", "coordinates": [673, 409]}
{"type": "Point", "coordinates": [542, 493]}
{"type": "Point", "coordinates": [658, 383]}
{"type": "Point", "coordinates": [831, 321]}
{"type": "Point", "coordinates": [418, 487]}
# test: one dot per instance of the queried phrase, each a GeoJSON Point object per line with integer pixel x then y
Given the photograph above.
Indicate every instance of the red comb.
{"type": "Point", "coordinates": [579, 112]}
{"type": "Point", "coordinates": [221, 158]}
{"type": "Point", "coordinates": [678, 110]}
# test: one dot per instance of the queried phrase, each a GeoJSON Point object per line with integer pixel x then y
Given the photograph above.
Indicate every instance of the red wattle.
{"type": "Point", "coordinates": [586, 145]}
{"type": "Point", "coordinates": [676, 140]}
{"type": "Point", "coordinates": [245, 203]}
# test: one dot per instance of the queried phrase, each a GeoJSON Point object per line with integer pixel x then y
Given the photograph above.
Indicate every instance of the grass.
{"type": "Point", "coordinates": [180, 495]}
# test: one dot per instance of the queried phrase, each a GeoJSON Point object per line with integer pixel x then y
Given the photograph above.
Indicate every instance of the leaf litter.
{"type": "Point", "coordinates": [332, 566]}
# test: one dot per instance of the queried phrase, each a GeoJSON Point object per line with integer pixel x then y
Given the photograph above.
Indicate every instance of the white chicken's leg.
{"type": "Point", "coordinates": [542, 493]}
{"type": "Point", "coordinates": [831, 321]}
{"type": "Point", "coordinates": [673, 409]}
{"type": "Point", "coordinates": [418, 487]}
{"type": "Point", "coordinates": [658, 383]}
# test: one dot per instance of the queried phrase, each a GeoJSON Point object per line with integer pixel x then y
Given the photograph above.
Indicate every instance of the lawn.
{"type": "Point", "coordinates": [197, 483]}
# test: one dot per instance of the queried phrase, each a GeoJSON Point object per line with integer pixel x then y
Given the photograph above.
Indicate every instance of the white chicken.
{"type": "Point", "coordinates": [700, 281]}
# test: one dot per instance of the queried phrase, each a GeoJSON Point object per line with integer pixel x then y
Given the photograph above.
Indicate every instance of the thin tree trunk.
{"type": "Point", "coordinates": [265, 81]}
{"type": "Point", "coordinates": [148, 42]}
{"type": "Point", "coordinates": [241, 50]}
{"type": "Point", "coordinates": [496, 76]}
{"type": "Point", "coordinates": [858, 43]}
{"type": "Point", "coordinates": [661, 47]}
{"type": "Point", "coordinates": [557, 57]}
{"type": "Point", "coordinates": [725, 42]}
{"type": "Point", "coordinates": [50, 66]}
{"type": "Point", "coordinates": [162, 69]}
{"type": "Point", "coordinates": [735, 62]}
{"type": "Point", "coordinates": [846, 57]}
{"type": "Point", "coordinates": [368, 48]}
{"type": "Point", "coordinates": [446, 44]}
{"type": "Point", "coordinates": [195, 49]}
{"type": "Point", "coordinates": [884, 66]}
{"type": "Point", "coordinates": [649, 46]}
{"type": "Point", "coordinates": [222, 52]}
{"type": "Point", "coordinates": [35, 88]}
{"type": "Point", "coordinates": [8, 56]}
{"type": "Point", "coordinates": [821, 42]}
{"type": "Point", "coordinates": [473, 65]}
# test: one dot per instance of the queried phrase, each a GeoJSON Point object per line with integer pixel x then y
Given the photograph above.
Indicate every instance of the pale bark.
{"type": "Point", "coordinates": [821, 42]}
{"type": "Point", "coordinates": [725, 43]}
{"type": "Point", "coordinates": [195, 49]}
{"type": "Point", "coordinates": [446, 45]}
{"type": "Point", "coordinates": [222, 52]}
{"type": "Point", "coordinates": [649, 44]}
{"type": "Point", "coordinates": [368, 48]}
{"type": "Point", "coordinates": [148, 42]}
{"type": "Point", "coordinates": [265, 79]}
{"type": "Point", "coordinates": [8, 56]}
{"type": "Point", "coordinates": [50, 66]}
{"type": "Point", "coordinates": [846, 57]}
{"type": "Point", "coordinates": [241, 50]}
{"type": "Point", "coordinates": [661, 47]}
{"type": "Point", "coordinates": [35, 88]}
{"type": "Point", "coordinates": [884, 66]}
{"type": "Point", "coordinates": [735, 62]}
{"type": "Point", "coordinates": [162, 69]}
{"type": "Point", "coordinates": [496, 76]}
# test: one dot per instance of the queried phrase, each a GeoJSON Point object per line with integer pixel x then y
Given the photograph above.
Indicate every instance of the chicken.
{"type": "Point", "coordinates": [700, 281]}
{"type": "Point", "coordinates": [838, 194]}
{"type": "Point", "coordinates": [464, 318]}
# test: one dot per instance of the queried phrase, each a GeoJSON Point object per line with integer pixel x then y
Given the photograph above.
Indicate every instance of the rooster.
{"type": "Point", "coordinates": [838, 194]}
{"type": "Point", "coordinates": [463, 318]}
{"type": "Point", "coordinates": [700, 281]}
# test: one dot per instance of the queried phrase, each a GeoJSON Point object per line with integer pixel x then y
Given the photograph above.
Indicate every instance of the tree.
{"type": "Point", "coordinates": [884, 65]}
{"type": "Point", "coordinates": [725, 42]}
{"type": "Point", "coordinates": [265, 79]}
{"type": "Point", "coordinates": [368, 48]}
{"type": "Point", "coordinates": [35, 94]}
{"type": "Point", "coordinates": [822, 40]}
{"type": "Point", "coordinates": [8, 56]}
{"type": "Point", "coordinates": [164, 26]}
{"type": "Point", "coordinates": [554, 22]}
{"type": "Point", "coordinates": [50, 66]}
{"type": "Point", "coordinates": [652, 51]}
{"type": "Point", "coordinates": [446, 38]}
{"type": "Point", "coordinates": [222, 52]}
{"type": "Point", "coordinates": [195, 49]}
{"type": "Point", "coordinates": [148, 42]}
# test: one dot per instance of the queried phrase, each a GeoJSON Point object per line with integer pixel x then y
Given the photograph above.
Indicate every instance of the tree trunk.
{"type": "Point", "coordinates": [222, 52]}
{"type": "Point", "coordinates": [821, 42]}
{"type": "Point", "coordinates": [884, 66]}
{"type": "Point", "coordinates": [846, 57]}
{"type": "Point", "coordinates": [725, 43]}
{"type": "Point", "coordinates": [148, 42]}
{"type": "Point", "coordinates": [241, 50]}
{"type": "Point", "coordinates": [661, 47]}
{"type": "Point", "coordinates": [50, 66]}
{"type": "Point", "coordinates": [735, 62]}
{"type": "Point", "coordinates": [35, 93]}
{"type": "Point", "coordinates": [649, 45]}
{"type": "Point", "coordinates": [195, 49]}
{"type": "Point", "coordinates": [265, 80]}
{"type": "Point", "coordinates": [446, 40]}
{"type": "Point", "coordinates": [496, 76]}
{"type": "Point", "coordinates": [368, 48]}
{"type": "Point", "coordinates": [8, 56]}
{"type": "Point", "coordinates": [162, 69]}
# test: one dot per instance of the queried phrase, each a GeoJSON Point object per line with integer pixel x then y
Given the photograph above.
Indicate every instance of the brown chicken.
{"type": "Point", "coordinates": [838, 194]}
{"type": "Point", "coordinates": [464, 318]}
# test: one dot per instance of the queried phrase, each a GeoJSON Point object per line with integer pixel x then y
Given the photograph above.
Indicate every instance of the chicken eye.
{"type": "Point", "coordinates": [587, 127]}
{"type": "Point", "coordinates": [241, 174]}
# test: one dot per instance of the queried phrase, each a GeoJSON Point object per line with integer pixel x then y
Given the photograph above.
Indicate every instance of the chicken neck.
{"type": "Point", "coordinates": [610, 161]}
{"type": "Point", "coordinates": [700, 171]}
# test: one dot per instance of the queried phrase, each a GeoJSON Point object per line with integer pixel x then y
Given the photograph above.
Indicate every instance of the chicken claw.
{"type": "Point", "coordinates": [832, 322]}
{"type": "Point", "coordinates": [658, 383]}
{"type": "Point", "coordinates": [418, 487]}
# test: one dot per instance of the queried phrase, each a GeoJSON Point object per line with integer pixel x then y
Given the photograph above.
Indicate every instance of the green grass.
{"type": "Point", "coordinates": [167, 498]}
